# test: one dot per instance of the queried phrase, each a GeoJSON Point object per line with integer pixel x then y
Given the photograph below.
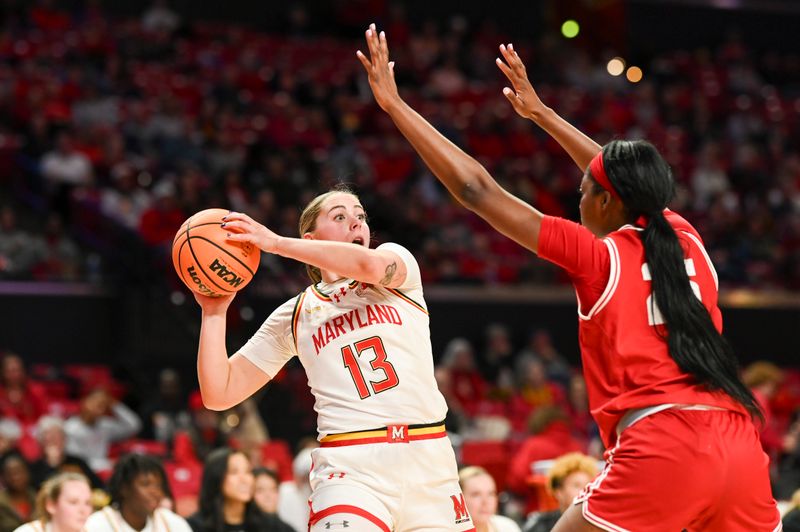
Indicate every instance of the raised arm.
{"type": "Point", "coordinates": [528, 105]}
{"type": "Point", "coordinates": [463, 176]}
{"type": "Point", "coordinates": [224, 382]}
{"type": "Point", "coordinates": [350, 260]}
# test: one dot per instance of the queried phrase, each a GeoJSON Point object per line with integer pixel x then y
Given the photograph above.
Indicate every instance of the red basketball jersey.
{"type": "Point", "coordinates": [626, 363]}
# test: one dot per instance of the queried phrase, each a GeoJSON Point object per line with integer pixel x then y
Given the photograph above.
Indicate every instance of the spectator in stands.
{"type": "Point", "coordinates": [62, 257]}
{"type": "Point", "coordinates": [467, 384]}
{"type": "Point", "coordinates": [480, 496]}
{"type": "Point", "coordinates": [226, 497]}
{"type": "Point", "coordinates": [63, 504]}
{"type": "Point", "coordinates": [65, 169]}
{"type": "Point", "coordinates": [551, 436]}
{"type": "Point", "coordinates": [533, 390]}
{"type": "Point", "coordinates": [245, 426]}
{"type": "Point", "coordinates": [54, 458]}
{"type": "Point", "coordinates": [565, 480]}
{"type": "Point", "coordinates": [497, 362]}
{"type": "Point", "coordinates": [791, 519]}
{"type": "Point", "coordinates": [10, 433]}
{"type": "Point", "coordinates": [160, 18]}
{"type": "Point", "coordinates": [266, 489]}
{"type": "Point", "coordinates": [158, 222]}
{"type": "Point", "coordinates": [138, 485]}
{"type": "Point", "coordinates": [763, 379]}
{"type": "Point", "coordinates": [204, 431]}
{"type": "Point", "coordinates": [20, 250]}
{"type": "Point", "coordinates": [101, 420]}
{"type": "Point", "coordinates": [293, 494]}
{"type": "Point", "coordinates": [166, 410]}
{"type": "Point", "coordinates": [20, 398]}
{"type": "Point", "coordinates": [540, 345]}
{"type": "Point", "coordinates": [18, 500]}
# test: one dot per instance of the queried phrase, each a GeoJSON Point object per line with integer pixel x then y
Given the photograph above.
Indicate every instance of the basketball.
{"type": "Point", "coordinates": [206, 261]}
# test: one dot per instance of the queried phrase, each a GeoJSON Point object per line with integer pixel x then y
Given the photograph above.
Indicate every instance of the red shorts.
{"type": "Point", "coordinates": [693, 470]}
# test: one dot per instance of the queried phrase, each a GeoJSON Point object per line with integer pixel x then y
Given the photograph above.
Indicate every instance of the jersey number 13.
{"type": "Point", "coordinates": [373, 345]}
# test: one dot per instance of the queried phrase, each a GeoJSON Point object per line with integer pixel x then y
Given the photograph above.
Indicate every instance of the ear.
{"type": "Point", "coordinates": [308, 236]}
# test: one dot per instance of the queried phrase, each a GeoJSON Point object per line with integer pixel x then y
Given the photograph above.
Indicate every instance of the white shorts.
{"type": "Point", "coordinates": [411, 485]}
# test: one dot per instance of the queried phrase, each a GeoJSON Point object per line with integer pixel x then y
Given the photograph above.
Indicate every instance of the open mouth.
{"type": "Point", "coordinates": [359, 241]}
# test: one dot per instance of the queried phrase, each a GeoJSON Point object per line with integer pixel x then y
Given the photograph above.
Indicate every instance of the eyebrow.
{"type": "Point", "coordinates": [345, 208]}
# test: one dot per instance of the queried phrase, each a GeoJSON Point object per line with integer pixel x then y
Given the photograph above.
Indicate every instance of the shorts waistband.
{"type": "Point", "coordinates": [387, 434]}
{"type": "Point", "coordinates": [632, 416]}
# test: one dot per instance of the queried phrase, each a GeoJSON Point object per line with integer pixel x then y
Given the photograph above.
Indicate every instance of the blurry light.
{"type": "Point", "coordinates": [177, 298]}
{"type": "Point", "coordinates": [247, 313]}
{"type": "Point", "coordinates": [616, 66]}
{"type": "Point", "coordinates": [634, 74]}
{"type": "Point", "coordinates": [570, 29]}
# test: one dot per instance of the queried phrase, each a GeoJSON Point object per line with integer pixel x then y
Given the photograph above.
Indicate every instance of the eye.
{"type": "Point", "coordinates": [338, 217]}
{"type": "Point", "coordinates": [362, 217]}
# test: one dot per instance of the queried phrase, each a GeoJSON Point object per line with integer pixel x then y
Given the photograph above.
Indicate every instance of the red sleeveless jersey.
{"type": "Point", "coordinates": [626, 363]}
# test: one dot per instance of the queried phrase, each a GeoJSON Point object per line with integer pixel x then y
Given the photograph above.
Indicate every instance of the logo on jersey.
{"type": "Point", "coordinates": [397, 433]}
{"type": "Point", "coordinates": [460, 508]}
{"type": "Point", "coordinates": [362, 289]}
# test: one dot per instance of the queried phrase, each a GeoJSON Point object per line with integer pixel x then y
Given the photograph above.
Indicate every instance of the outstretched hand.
{"type": "Point", "coordinates": [379, 69]}
{"type": "Point", "coordinates": [522, 97]}
{"type": "Point", "coordinates": [242, 228]}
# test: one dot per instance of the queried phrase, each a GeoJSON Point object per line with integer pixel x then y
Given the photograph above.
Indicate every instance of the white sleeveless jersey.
{"type": "Point", "coordinates": [366, 351]}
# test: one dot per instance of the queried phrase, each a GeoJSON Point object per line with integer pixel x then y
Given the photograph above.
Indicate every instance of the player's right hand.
{"type": "Point", "coordinates": [213, 305]}
{"type": "Point", "coordinates": [522, 97]}
{"type": "Point", "coordinates": [379, 69]}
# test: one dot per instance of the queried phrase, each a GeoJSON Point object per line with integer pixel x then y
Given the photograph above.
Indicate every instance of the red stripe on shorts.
{"type": "Point", "coordinates": [346, 509]}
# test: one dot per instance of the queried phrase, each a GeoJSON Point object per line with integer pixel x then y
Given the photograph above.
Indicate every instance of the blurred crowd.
{"type": "Point", "coordinates": [113, 131]}
{"type": "Point", "coordinates": [514, 413]}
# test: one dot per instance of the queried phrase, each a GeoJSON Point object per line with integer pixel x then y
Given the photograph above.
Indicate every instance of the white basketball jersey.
{"type": "Point", "coordinates": [366, 351]}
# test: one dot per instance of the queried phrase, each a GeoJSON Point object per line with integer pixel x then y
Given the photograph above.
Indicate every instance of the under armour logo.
{"type": "Point", "coordinates": [333, 524]}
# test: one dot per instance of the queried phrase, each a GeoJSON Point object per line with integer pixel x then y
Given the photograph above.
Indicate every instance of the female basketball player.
{"type": "Point", "coordinates": [361, 332]}
{"type": "Point", "coordinates": [683, 453]}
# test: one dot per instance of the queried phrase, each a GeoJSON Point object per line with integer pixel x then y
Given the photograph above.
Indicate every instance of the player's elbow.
{"type": "Point", "coordinates": [476, 189]}
{"type": "Point", "coordinates": [216, 404]}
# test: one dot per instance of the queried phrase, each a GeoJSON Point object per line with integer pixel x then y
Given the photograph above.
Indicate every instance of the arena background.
{"type": "Point", "coordinates": [123, 307]}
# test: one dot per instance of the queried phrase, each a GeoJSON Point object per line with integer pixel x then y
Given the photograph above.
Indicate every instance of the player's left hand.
{"type": "Point", "coordinates": [379, 69]}
{"type": "Point", "coordinates": [242, 228]}
{"type": "Point", "coordinates": [521, 94]}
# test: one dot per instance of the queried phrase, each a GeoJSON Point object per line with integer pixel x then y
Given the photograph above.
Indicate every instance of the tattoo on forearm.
{"type": "Point", "coordinates": [390, 271]}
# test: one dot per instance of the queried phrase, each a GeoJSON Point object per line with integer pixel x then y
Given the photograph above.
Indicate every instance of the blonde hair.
{"type": "Point", "coordinates": [568, 464]}
{"type": "Point", "coordinates": [470, 472]}
{"type": "Point", "coordinates": [308, 221]}
{"type": "Point", "coordinates": [761, 372]}
{"type": "Point", "coordinates": [51, 491]}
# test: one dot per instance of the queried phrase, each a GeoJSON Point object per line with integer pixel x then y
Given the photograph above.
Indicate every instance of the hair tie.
{"type": "Point", "coordinates": [599, 174]}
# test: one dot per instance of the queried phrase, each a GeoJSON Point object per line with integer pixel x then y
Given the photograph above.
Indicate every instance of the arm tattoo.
{"type": "Point", "coordinates": [390, 271]}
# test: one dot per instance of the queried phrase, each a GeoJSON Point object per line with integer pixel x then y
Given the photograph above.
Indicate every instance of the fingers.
{"type": "Point", "coordinates": [364, 61]}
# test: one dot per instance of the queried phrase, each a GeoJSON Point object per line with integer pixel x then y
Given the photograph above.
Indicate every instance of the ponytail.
{"type": "Point", "coordinates": [644, 182]}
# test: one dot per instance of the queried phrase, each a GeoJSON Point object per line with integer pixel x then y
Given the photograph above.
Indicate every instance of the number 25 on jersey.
{"type": "Point", "coordinates": [359, 351]}
{"type": "Point", "coordinates": [654, 316]}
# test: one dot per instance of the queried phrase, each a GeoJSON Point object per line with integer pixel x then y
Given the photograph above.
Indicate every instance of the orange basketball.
{"type": "Point", "coordinates": [206, 261]}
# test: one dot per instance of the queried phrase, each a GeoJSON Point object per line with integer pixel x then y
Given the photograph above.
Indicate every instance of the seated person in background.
{"type": "Point", "coordinates": [266, 489]}
{"type": "Point", "coordinates": [226, 497]}
{"type": "Point", "coordinates": [54, 459]}
{"type": "Point", "coordinates": [20, 398]}
{"type": "Point", "coordinates": [293, 494]}
{"type": "Point", "coordinates": [63, 505]}
{"type": "Point", "coordinates": [10, 433]}
{"type": "Point", "coordinates": [138, 486]}
{"type": "Point", "coordinates": [791, 519]}
{"type": "Point", "coordinates": [101, 420]}
{"type": "Point", "coordinates": [166, 411]}
{"type": "Point", "coordinates": [480, 496]}
{"type": "Point", "coordinates": [565, 480]}
{"type": "Point", "coordinates": [18, 499]}
{"type": "Point", "coordinates": [551, 437]}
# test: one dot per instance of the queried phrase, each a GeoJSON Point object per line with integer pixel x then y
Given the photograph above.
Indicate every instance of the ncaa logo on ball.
{"type": "Point", "coordinates": [227, 275]}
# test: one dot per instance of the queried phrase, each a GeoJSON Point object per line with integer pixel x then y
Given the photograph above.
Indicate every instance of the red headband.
{"type": "Point", "coordinates": [599, 174]}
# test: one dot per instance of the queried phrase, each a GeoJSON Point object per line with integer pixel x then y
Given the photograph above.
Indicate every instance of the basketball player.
{"type": "Point", "coordinates": [683, 453]}
{"type": "Point", "coordinates": [361, 332]}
